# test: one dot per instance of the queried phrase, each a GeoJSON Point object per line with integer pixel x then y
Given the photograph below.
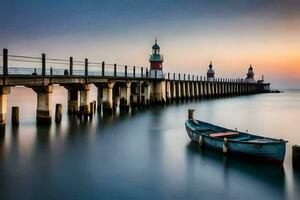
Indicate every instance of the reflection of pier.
{"type": "Point", "coordinates": [118, 85]}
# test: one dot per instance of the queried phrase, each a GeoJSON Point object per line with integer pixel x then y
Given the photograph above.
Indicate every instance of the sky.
{"type": "Point", "coordinates": [231, 33]}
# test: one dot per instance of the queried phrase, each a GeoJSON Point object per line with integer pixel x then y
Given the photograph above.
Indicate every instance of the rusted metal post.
{"type": "Point", "coordinates": [103, 68]}
{"type": "Point", "coordinates": [71, 66]}
{"type": "Point", "coordinates": [125, 70]}
{"type": "Point", "coordinates": [296, 156]}
{"type": "Point", "coordinates": [115, 70]}
{"type": "Point", "coordinates": [5, 62]}
{"type": "Point", "coordinates": [133, 71]}
{"type": "Point", "coordinates": [15, 116]}
{"type": "Point", "coordinates": [58, 113]}
{"type": "Point", "coordinates": [142, 71]}
{"type": "Point", "coordinates": [86, 70]}
{"type": "Point", "coordinates": [191, 114]}
{"type": "Point", "coordinates": [43, 64]}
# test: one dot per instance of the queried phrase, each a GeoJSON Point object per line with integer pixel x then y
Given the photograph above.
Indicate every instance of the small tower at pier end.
{"type": "Point", "coordinates": [156, 60]}
{"type": "Point", "coordinates": [210, 72]}
{"type": "Point", "coordinates": [250, 75]}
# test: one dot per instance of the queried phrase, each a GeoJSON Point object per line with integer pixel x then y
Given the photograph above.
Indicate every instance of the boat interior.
{"type": "Point", "coordinates": [219, 132]}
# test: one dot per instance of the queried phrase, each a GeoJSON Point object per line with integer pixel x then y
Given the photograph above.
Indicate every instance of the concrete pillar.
{"type": "Point", "coordinates": [44, 107]}
{"type": "Point", "coordinates": [15, 119]}
{"type": "Point", "coordinates": [187, 90]}
{"type": "Point", "coordinates": [183, 94]}
{"type": "Point", "coordinates": [73, 101]}
{"type": "Point", "coordinates": [219, 92]}
{"type": "Point", "coordinates": [110, 94]}
{"type": "Point", "coordinates": [168, 91]}
{"type": "Point", "coordinates": [192, 89]}
{"type": "Point", "coordinates": [158, 92]}
{"type": "Point", "coordinates": [135, 93]}
{"type": "Point", "coordinates": [213, 92]}
{"type": "Point", "coordinates": [105, 95]}
{"type": "Point", "coordinates": [99, 97]}
{"type": "Point", "coordinates": [173, 91]}
{"type": "Point", "coordinates": [125, 94]}
{"type": "Point", "coordinates": [4, 91]}
{"type": "Point", "coordinates": [196, 91]}
{"type": "Point", "coordinates": [116, 97]}
{"type": "Point", "coordinates": [178, 91]}
{"type": "Point", "coordinates": [208, 89]}
{"type": "Point", "coordinates": [58, 113]}
{"type": "Point", "coordinates": [222, 89]}
{"type": "Point", "coordinates": [145, 94]}
{"type": "Point", "coordinates": [201, 90]}
{"type": "Point", "coordinates": [84, 100]}
{"type": "Point", "coordinates": [235, 88]}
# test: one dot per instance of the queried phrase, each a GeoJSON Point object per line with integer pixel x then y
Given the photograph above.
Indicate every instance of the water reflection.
{"type": "Point", "coordinates": [145, 154]}
{"type": "Point", "coordinates": [264, 175]}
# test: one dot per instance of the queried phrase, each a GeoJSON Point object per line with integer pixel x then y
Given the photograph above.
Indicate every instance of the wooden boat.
{"type": "Point", "coordinates": [235, 142]}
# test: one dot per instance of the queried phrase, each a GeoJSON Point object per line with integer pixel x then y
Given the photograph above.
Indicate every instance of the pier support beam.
{"type": "Point", "coordinates": [44, 107]}
{"type": "Point", "coordinates": [135, 94]}
{"type": "Point", "coordinates": [182, 87]}
{"type": "Point", "coordinates": [158, 92]}
{"type": "Point", "coordinates": [145, 94]}
{"type": "Point", "coordinates": [108, 98]}
{"type": "Point", "coordinates": [73, 101]}
{"type": "Point", "coordinates": [192, 90]}
{"type": "Point", "coordinates": [201, 90]}
{"type": "Point", "coordinates": [84, 100]}
{"type": "Point", "coordinates": [4, 91]}
{"type": "Point", "coordinates": [196, 90]}
{"type": "Point", "coordinates": [125, 96]}
{"type": "Point", "coordinates": [168, 92]}
{"type": "Point", "coordinates": [187, 90]}
{"type": "Point", "coordinates": [178, 91]}
{"type": "Point", "coordinates": [99, 98]}
{"type": "Point", "coordinates": [173, 91]}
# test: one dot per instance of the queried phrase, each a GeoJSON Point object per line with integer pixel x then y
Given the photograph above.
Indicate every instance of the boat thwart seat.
{"type": "Point", "coordinates": [224, 134]}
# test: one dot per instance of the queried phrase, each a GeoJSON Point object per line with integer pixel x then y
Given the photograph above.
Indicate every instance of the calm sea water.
{"type": "Point", "coordinates": [146, 155]}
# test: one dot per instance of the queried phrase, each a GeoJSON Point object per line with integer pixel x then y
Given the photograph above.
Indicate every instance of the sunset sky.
{"type": "Point", "coordinates": [231, 33]}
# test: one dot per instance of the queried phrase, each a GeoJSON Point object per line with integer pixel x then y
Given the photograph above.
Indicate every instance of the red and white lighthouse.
{"type": "Point", "coordinates": [156, 60]}
{"type": "Point", "coordinates": [210, 72]}
{"type": "Point", "coordinates": [250, 75]}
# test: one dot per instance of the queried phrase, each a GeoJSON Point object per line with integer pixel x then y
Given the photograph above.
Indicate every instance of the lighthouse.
{"type": "Point", "coordinates": [250, 75]}
{"type": "Point", "coordinates": [156, 60]}
{"type": "Point", "coordinates": [210, 72]}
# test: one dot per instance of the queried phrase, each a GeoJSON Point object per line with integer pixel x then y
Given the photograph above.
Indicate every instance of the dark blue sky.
{"type": "Point", "coordinates": [36, 18]}
{"type": "Point", "coordinates": [232, 33]}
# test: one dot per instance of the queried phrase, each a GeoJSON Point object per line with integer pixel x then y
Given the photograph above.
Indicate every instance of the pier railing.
{"type": "Point", "coordinates": [14, 65]}
{"type": "Point", "coordinates": [42, 66]}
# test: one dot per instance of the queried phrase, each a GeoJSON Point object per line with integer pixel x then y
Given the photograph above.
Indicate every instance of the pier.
{"type": "Point", "coordinates": [117, 85]}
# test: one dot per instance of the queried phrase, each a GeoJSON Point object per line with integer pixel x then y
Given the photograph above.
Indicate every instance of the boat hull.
{"type": "Point", "coordinates": [272, 152]}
